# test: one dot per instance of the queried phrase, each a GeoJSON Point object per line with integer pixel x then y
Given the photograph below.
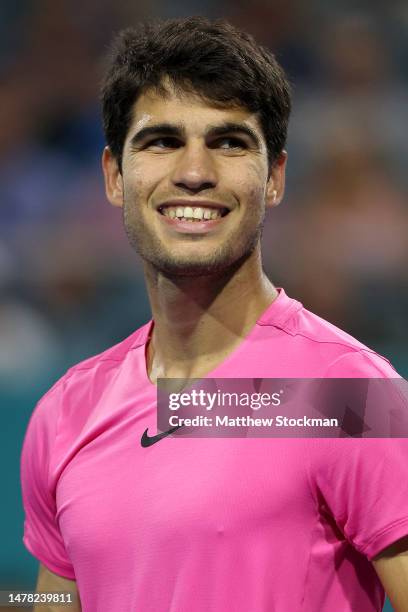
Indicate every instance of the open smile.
{"type": "Point", "coordinates": [192, 219]}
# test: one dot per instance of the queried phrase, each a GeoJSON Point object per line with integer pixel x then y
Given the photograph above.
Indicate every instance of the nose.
{"type": "Point", "coordinates": [194, 168]}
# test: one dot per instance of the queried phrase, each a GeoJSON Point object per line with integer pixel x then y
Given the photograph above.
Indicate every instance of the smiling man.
{"type": "Point", "coordinates": [216, 221]}
{"type": "Point", "coordinates": [195, 116]}
{"type": "Point", "coordinates": [204, 183]}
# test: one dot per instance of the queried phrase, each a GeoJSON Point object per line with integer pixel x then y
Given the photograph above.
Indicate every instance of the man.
{"type": "Point", "coordinates": [195, 116]}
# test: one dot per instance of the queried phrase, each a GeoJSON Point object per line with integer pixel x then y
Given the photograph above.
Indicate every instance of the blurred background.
{"type": "Point", "coordinates": [70, 286]}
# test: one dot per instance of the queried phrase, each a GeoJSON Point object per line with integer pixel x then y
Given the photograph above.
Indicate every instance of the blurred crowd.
{"type": "Point", "coordinates": [70, 285]}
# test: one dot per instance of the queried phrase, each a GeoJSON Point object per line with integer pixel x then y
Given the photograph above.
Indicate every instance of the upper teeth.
{"type": "Point", "coordinates": [187, 212]}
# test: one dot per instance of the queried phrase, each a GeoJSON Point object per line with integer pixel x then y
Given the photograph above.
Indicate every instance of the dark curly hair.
{"type": "Point", "coordinates": [213, 59]}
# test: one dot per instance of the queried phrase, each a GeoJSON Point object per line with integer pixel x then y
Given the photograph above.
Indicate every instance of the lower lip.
{"type": "Point", "coordinates": [192, 227]}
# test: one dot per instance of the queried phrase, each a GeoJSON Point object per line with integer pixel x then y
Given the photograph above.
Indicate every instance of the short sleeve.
{"type": "Point", "coordinates": [363, 483]}
{"type": "Point", "coordinates": [42, 536]}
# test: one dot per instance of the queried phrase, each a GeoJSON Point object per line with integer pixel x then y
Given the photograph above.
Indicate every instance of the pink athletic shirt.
{"type": "Point", "coordinates": [212, 524]}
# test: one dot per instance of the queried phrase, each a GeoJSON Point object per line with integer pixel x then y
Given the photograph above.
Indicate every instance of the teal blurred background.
{"type": "Point", "coordinates": [70, 286]}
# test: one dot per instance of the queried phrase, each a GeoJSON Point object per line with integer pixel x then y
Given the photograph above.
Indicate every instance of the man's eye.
{"type": "Point", "coordinates": [166, 142]}
{"type": "Point", "coordinates": [232, 143]}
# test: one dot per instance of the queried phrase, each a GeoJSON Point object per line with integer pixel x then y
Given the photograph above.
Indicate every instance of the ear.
{"type": "Point", "coordinates": [275, 187]}
{"type": "Point", "coordinates": [113, 178]}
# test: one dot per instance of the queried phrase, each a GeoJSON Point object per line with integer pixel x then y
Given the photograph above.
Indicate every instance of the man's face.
{"type": "Point", "coordinates": [194, 184]}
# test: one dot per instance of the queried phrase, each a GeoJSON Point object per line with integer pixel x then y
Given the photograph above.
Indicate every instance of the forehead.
{"type": "Point", "coordinates": [188, 109]}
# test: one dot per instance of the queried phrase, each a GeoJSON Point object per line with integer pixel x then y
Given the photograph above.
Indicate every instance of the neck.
{"type": "Point", "coordinates": [198, 321]}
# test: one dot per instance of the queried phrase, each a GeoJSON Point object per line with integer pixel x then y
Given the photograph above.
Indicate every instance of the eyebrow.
{"type": "Point", "coordinates": [178, 130]}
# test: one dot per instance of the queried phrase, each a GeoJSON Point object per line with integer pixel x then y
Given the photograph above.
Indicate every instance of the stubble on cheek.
{"type": "Point", "coordinates": [140, 236]}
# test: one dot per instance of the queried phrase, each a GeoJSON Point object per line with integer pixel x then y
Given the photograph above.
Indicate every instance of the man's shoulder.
{"type": "Point", "coordinates": [116, 353]}
{"type": "Point", "coordinates": [324, 344]}
{"type": "Point", "coordinates": [71, 400]}
{"type": "Point", "coordinates": [352, 358]}
{"type": "Point", "coordinates": [105, 362]}
{"type": "Point", "coordinates": [295, 320]}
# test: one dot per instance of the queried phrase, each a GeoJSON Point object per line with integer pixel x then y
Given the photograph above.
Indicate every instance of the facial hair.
{"type": "Point", "coordinates": [236, 249]}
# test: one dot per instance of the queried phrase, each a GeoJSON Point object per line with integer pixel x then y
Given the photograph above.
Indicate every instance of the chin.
{"type": "Point", "coordinates": [205, 266]}
{"type": "Point", "coordinates": [190, 269]}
